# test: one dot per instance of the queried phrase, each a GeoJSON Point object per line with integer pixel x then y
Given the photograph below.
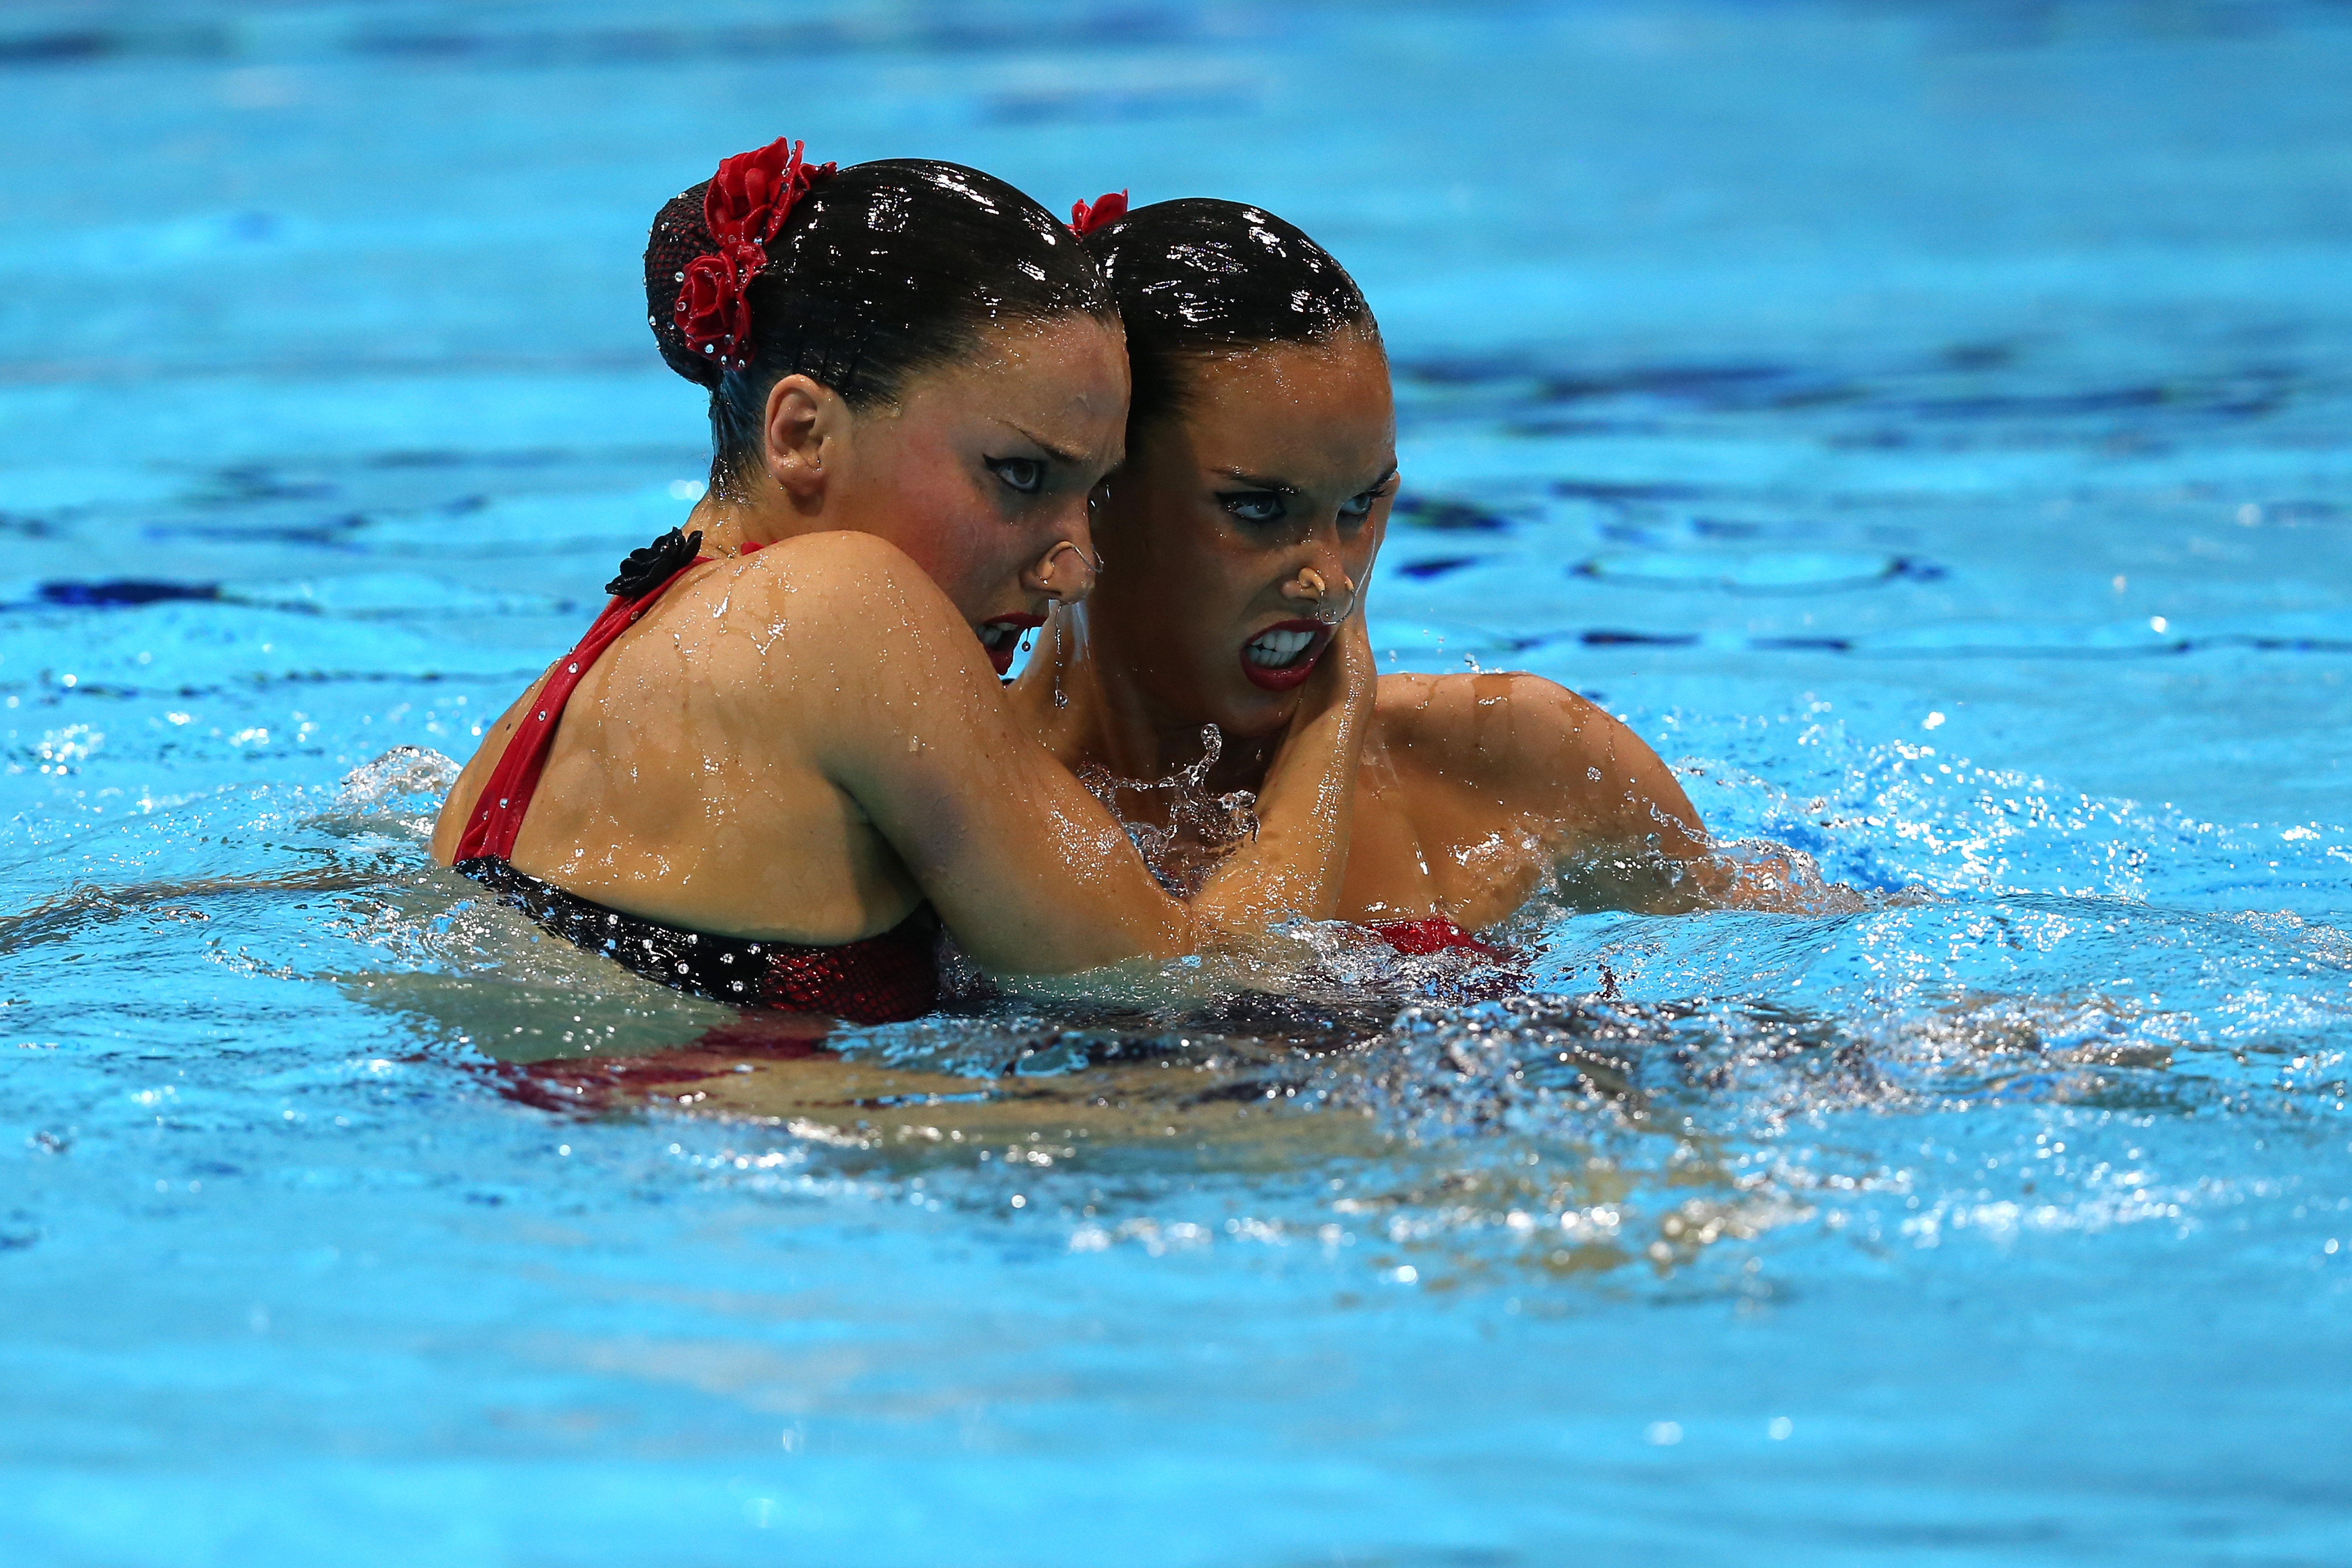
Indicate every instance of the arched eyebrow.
{"type": "Point", "coordinates": [1260, 481]}
{"type": "Point", "coordinates": [1059, 453]}
{"type": "Point", "coordinates": [1257, 482]}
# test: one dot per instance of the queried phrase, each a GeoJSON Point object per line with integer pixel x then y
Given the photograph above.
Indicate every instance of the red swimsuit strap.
{"type": "Point", "coordinates": [506, 793]}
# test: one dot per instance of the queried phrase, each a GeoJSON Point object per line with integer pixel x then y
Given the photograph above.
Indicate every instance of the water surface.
{"type": "Point", "coordinates": [1925, 424]}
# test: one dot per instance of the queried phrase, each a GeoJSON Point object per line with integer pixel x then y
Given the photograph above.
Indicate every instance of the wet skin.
{"type": "Point", "coordinates": [804, 744]}
{"type": "Point", "coordinates": [1273, 480]}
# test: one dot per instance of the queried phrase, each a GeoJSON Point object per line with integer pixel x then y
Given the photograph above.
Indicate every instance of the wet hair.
{"type": "Point", "coordinates": [1200, 276]}
{"type": "Point", "coordinates": [883, 270]}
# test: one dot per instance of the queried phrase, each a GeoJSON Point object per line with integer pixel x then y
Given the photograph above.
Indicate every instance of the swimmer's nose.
{"type": "Point", "coordinates": [1064, 573]}
{"type": "Point", "coordinates": [1323, 589]}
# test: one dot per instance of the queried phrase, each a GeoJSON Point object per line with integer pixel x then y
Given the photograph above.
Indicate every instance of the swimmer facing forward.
{"type": "Point", "coordinates": [782, 756]}
{"type": "Point", "coordinates": [1235, 539]}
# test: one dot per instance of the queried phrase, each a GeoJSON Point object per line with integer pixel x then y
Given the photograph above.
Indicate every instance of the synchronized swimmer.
{"type": "Point", "coordinates": [783, 760]}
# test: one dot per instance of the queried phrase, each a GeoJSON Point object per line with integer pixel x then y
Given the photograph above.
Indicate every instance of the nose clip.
{"type": "Point", "coordinates": [1309, 588]}
{"type": "Point", "coordinates": [1066, 581]}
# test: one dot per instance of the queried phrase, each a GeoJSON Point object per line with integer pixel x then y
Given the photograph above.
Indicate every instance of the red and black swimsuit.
{"type": "Point", "coordinates": [874, 980]}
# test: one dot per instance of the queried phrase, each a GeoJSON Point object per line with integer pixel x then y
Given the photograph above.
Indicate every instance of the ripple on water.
{"type": "Point", "coordinates": [1685, 1098]}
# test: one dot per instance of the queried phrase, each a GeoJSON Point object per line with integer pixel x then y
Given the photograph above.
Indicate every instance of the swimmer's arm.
{"type": "Point", "coordinates": [1620, 828]}
{"type": "Point", "coordinates": [1607, 810]}
{"type": "Point", "coordinates": [1307, 803]}
{"type": "Point", "coordinates": [1028, 870]}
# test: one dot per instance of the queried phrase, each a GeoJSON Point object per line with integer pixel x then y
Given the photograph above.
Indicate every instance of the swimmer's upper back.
{"type": "Point", "coordinates": [686, 779]}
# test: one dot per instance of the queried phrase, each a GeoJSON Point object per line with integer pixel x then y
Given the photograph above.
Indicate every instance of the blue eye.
{"type": "Point", "coordinates": [1360, 506]}
{"type": "Point", "coordinates": [1023, 474]}
{"type": "Point", "coordinates": [1254, 506]}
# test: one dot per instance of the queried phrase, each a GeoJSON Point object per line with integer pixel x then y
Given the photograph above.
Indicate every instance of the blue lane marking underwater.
{"type": "Point", "coordinates": [1927, 425]}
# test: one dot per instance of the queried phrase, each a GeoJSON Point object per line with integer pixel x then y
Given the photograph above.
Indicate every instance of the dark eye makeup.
{"type": "Point", "coordinates": [1266, 506]}
{"type": "Point", "coordinates": [1027, 475]}
{"type": "Point", "coordinates": [1255, 506]}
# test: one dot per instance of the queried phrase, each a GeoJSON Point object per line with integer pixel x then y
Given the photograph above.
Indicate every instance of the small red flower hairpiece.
{"type": "Point", "coordinates": [746, 203]}
{"type": "Point", "coordinates": [1103, 211]}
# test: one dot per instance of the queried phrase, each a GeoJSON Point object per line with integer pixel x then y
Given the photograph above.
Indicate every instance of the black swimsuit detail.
{"type": "Point", "coordinates": [874, 980]}
{"type": "Point", "coordinates": [879, 980]}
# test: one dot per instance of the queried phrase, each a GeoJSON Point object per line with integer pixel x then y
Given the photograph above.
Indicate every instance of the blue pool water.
{"type": "Point", "coordinates": [1929, 425]}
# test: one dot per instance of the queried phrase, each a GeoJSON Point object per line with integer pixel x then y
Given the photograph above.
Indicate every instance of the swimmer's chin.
{"type": "Point", "coordinates": [1263, 720]}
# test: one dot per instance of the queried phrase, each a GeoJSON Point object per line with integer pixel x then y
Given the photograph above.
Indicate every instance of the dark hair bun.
{"type": "Point", "coordinates": [679, 235]}
{"type": "Point", "coordinates": [880, 271]}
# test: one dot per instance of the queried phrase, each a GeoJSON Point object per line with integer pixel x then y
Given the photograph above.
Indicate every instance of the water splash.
{"type": "Point", "coordinates": [1194, 828]}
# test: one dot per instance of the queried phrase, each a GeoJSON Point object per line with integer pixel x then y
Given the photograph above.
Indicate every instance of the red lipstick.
{"type": "Point", "coordinates": [1300, 643]}
{"type": "Point", "coordinates": [1000, 637]}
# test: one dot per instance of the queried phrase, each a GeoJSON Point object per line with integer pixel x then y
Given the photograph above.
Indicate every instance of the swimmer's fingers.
{"type": "Point", "coordinates": [1306, 806]}
{"type": "Point", "coordinates": [1779, 880]}
{"type": "Point", "coordinates": [1344, 680]}
{"type": "Point", "coordinates": [1359, 670]}
{"type": "Point", "coordinates": [1347, 672]}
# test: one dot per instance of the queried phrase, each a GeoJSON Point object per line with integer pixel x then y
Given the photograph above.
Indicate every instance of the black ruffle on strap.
{"type": "Point", "coordinates": [649, 567]}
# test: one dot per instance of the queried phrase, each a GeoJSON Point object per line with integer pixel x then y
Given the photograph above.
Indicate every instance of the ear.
{"type": "Point", "coordinates": [807, 425]}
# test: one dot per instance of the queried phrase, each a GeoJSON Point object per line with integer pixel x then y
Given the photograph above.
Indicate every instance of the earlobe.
{"type": "Point", "coordinates": [802, 416]}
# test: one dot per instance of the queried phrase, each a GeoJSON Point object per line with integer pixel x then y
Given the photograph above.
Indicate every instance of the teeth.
{"type": "Point", "coordinates": [1276, 649]}
{"type": "Point", "coordinates": [995, 634]}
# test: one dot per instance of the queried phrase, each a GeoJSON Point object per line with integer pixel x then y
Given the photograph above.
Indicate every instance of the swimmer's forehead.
{"type": "Point", "coordinates": [1294, 417]}
{"type": "Point", "coordinates": [1060, 386]}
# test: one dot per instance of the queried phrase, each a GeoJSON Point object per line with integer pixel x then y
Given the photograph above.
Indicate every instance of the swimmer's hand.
{"type": "Point", "coordinates": [1750, 874]}
{"type": "Point", "coordinates": [1346, 675]}
{"type": "Point", "coordinates": [1757, 874]}
{"type": "Point", "coordinates": [1305, 807]}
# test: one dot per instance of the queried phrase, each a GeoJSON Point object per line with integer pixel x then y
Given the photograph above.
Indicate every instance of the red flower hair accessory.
{"type": "Point", "coordinates": [744, 205]}
{"type": "Point", "coordinates": [1106, 210]}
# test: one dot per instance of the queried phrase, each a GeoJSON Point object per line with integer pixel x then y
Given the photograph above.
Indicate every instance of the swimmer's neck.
{"type": "Point", "coordinates": [1086, 708]}
{"type": "Point", "coordinates": [750, 514]}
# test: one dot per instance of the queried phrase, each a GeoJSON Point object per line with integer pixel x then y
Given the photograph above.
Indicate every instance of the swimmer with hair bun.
{"type": "Point", "coordinates": [1235, 540]}
{"type": "Point", "coordinates": [782, 757]}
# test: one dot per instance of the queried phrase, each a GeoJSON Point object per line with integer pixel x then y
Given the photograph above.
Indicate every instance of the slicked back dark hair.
{"type": "Point", "coordinates": [1200, 276]}
{"type": "Point", "coordinates": [883, 270]}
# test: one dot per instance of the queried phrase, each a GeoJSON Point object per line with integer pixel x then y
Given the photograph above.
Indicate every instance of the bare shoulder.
{"type": "Point", "coordinates": [835, 549]}
{"type": "Point", "coordinates": [841, 601]}
{"type": "Point", "coordinates": [844, 641]}
{"type": "Point", "coordinates": [1499, 720]}
{"type": "Point", "coordinates": [1532, 743]}
{"type": "Point", "coordinates": [833, 575]}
